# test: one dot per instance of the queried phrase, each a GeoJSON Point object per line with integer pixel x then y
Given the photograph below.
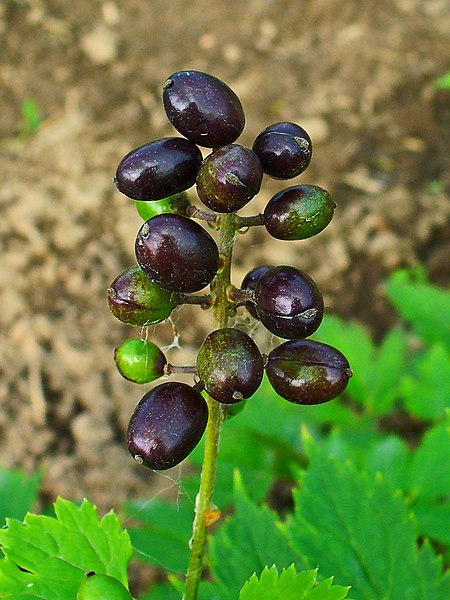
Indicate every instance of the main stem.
{"type": "Point", "coordinates": [205, 494]}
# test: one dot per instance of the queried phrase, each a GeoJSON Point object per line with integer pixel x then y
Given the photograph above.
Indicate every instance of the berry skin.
{"type": "Point", "coordinates": [307, 372]}
{"type": "Point", "coordinates": [288, 302]}
{"type": "Point", "coordinates": [229, 365]}
{"type": "Point", "coordinates": [177, 253]}
{"type": "Point", "coordinates": [229, 178]}
{"type": "Point", "coordinates": [137, 300]}
{"type": "Point", "coordinates": [139, 361]}
{"type": "Point", "coordinates": [298, 212]}
{"type": "Point", "coordinates": [166, 425]}
{"type": "Point", "coordinates": [203, 108]}
{"type": "Point", "coordinates": [175, 205]}
{"type": "Point", "coordinates": [158, 169]}
{"type": "Point", "coordinates": [98, 587]}
{"type": "Point", "coordinates": [249, 283]}
{"type": "Point", "coordinates": [284, 149]}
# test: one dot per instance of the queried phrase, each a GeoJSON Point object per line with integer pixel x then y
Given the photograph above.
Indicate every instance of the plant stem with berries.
{"type": "Point", "coordinates": [221, 306]}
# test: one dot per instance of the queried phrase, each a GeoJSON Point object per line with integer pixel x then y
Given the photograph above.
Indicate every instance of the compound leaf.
{"type": "Point", "coordinates": [423, 305]}
{"type": "Point", "coordinates": [46, 557]}
{"type": "Point", "coordinates": [18, 493]}
{"type": "Point", "coordinates": [289, 584]}
{"type": "Point", "coordinates": [162, 539]}
{"type": "Point", "coordinates": [355, 527]}
{"type": "Point", "coordinates": [426, 393]}
{"type": "Point", "coordinates": [245, 544]}
{"type": "Point", "coordinates": [430, 468]}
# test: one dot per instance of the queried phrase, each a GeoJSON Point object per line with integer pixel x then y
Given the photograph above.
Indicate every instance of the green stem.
{"type": "Point", "coordinates": [215, 419]}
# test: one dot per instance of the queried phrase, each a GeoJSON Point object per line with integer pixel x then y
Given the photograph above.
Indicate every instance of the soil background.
{"type": "Point", "coordinates": [358, 75]}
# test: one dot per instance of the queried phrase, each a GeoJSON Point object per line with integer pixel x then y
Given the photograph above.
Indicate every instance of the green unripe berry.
{"type": "Point", "coordinates": [175, 205]}
{"type": "Point", "coordinates": [298, 212]}
{"type": "Point", "coordinates": [102, 587]}
{"type": "Point", "coordinates": [139, 361]}
{"type": "Point", "coordinates": [137, 300]}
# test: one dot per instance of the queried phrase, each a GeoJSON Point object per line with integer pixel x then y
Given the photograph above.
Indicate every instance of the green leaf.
{"type": "Point", "coordinates": [425, 306]}
{"type": "Point", "coordinates": [433, 521]}
{"type": "Point", "coordinates": [358, 529]}
{"type": "Point", "coordinates": [430, 469]}
{"type": "Point", "coordinates": [245, 544]}
{"type": "Point", "coordinates": [442, 83]}
{"type": "Point", "coordinates": [163, 537]}
{"type": "Point", "coordinates": [18, 493]}
{"type": "Point", "coordinates": [383, 377]}
{"type": "Point", "coordinates": [47, 557]}
{"type": "Point", "coordinates": [161, 591]}
{"type": "Point", "coordinates": [426, 393]}
{"type": "Point", "coordinates": [289, 584]}
{"type": "Point", "coordinates": [390, 457]}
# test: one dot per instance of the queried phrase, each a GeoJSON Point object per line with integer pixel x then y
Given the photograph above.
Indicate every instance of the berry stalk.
{"type": "Point", "coordinates": [221, 305]}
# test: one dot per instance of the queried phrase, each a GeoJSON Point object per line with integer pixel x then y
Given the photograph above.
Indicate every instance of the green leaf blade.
{"type": "Point", "coordinates": [246, 543]}
{"type": "Point", "coordinates": [357, 528]}
{"type": "Point", "coordinates": [56, 552]}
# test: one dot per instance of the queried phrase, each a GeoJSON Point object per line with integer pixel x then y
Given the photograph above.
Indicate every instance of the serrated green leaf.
{"type": "Point", "coordinates": [18, 493]}
{"type": "Point", "coordinates": [163, 537]}
{"type": "Point", "coordinates": [426, 393]}
{"type": "Point", "coordinates": [245, 544]}
{"type": "Point", "coordinates": [433, 521]}
{"type": "Point", "coordinates": [358, 529]}
{"type": "Point", "coordinates": [383, 378]}
{"type": "Point", "coordinates": [47, 557]}
{"type": "Point", "coordinates": [423, 305]}
{"type": "Point", "coordinates": [430, 469]}
{"type": "Point", "coordinates": [390, 457]}
{"type": "Point", "coordinates": [289, 584]}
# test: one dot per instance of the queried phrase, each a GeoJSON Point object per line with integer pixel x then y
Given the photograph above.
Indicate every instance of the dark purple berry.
{"type": "Point", "coordinates": [284, 150]}
{"type": "Point", "coordinates": [177, 253]}
{"type": "Point", "coordinates": [249, 283]}
{"type": "Point", "coordinates": [140, 361]}
{"type": "Point", "coordinates": [137, 300]}
{"type": "Point", "coordinates": [229, 178]}
{"type": "Point", "coordinates": [288, 302]}
{"type": "Point", "coordinates": [166, 425]}
{"type": "Point", "coordinates": [158, 169]}
{"type": "Point", "coordinates": [175, 205]}
{"type": "Point", "coordinates": [229, 365]}
{"type": "Point", "coordinates": [307, 372]}
{"type": "Point", "coordinates": [203, 108]}
{"type": "Point", "coordinates": [299, 212]}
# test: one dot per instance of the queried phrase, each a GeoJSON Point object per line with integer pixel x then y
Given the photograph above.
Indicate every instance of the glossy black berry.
{"type": "Point", "coordinates": [284, 150]}
{"type": "Point", "coordinates": [307, 372]}
{"type": "Point", "coordinates": [203, 108]}
{"type": "Point", "coordinates": [288, 302]}
{"type": "Point", "coordinates": [176, 205]}
{"type": "Point", "coordinates": [158, 169]}
{"type": "Point", "coordinates": [229, 178]}
{"type": "Point", "coordinates": [137, 300]}
{"type": "Point", "coordinates": [249, 283]}
{"type": "Point", "coordinates": [229, 365]}
{"type": "Point", "coordinates": [177, 253]}
{"type": "Point", "coordinates": [166, 425]}
{"type": "Point", "coordinates": [139, 361]}
{"type": "Point", "coordinates": [298, 212]}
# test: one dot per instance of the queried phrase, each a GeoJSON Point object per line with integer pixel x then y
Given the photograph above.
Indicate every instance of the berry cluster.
{"type": "Point", "coordinates": [176, 257]}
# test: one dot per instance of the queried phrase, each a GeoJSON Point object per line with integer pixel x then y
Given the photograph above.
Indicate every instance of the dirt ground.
{"type": "Point", "coordinates": [358, 75]}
